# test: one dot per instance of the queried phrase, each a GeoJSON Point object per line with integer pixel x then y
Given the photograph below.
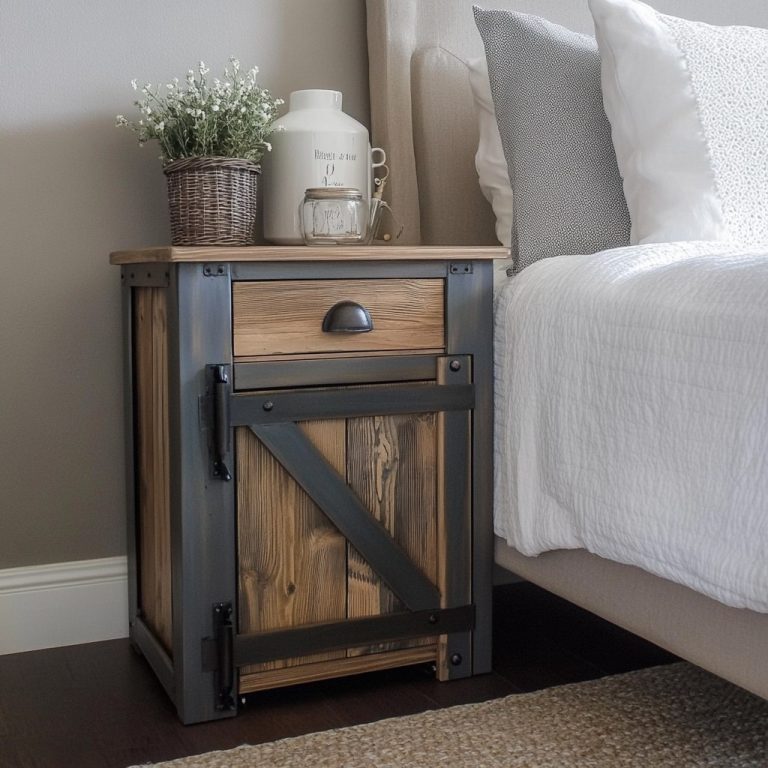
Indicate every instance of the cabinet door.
{"type": "Point", "coordinates": [296, 568]}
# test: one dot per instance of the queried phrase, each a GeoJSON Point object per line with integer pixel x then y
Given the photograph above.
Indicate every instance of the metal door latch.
{"type": "Point", "coordinates": [221, 392]}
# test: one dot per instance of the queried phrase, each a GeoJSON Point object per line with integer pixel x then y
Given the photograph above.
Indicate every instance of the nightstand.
{"type": "Point", "coordinates": [310, 464]}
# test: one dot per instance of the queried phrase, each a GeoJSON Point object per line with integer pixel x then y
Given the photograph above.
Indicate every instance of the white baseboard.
{"type": "Point", "coordinates": [47, 606]}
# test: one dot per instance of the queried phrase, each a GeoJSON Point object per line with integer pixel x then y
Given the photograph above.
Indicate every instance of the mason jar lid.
{"type": "Point", "coordinates": [333, 193]}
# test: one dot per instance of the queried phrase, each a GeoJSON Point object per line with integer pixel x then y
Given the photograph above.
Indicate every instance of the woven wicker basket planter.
{"type": "Point", "coordinates": [212, 200]}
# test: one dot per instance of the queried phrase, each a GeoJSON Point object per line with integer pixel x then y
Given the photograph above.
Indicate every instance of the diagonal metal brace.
{"type": "Point", "coordinates": [290, 446]}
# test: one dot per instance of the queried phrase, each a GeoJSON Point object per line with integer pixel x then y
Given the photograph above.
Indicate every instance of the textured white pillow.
{"type": "Point", "coordinates": [688, 107]}
{"type": "Point", "coordinates": [490, 162]}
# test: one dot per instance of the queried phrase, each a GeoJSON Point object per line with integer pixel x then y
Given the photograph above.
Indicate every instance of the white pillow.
{"type": "Point", "coordinates": [490, 162]}
{"type": "Point", "coordinates": [688, 107]}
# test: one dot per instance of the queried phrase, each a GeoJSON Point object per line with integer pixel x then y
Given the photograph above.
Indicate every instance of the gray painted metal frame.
{"type": "Point", "coordinates": [330, 270]}
{"type": "Point", "coordinates": [469, 329]}
{"type": "Point", "coordinates": [129, 428]}
{"type": "Point", "coordinates": [203, 536]}
{"type": "Point", "coordinates": [202, 522]}
{"type": "Point", "coordinates": [153, 275]}
{"type": "Point", "coordinates": [457, 514]}
{"type": "Point", "coordinates": [203, 543]}
{"type": "Point", "coordinates": [329, 371]}
{"type": "Point", "coordinates": [155, 654]}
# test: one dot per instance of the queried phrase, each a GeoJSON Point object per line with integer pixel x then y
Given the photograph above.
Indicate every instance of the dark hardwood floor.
{"type": "Point", "coordinates": [100, 705]}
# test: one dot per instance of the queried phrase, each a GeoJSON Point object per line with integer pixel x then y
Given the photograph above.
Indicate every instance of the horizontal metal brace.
{"type": "Point", "coordinates": [352, 370]}
{"type": "Point", "coordinates": [146, 275]}
{"type": "Point", "coordinates": [275, 407]}
{"type": "Point", "coordinates": [313, 638]}
{"type": "Point", "coordinates": [463, 268]}
{"type": "Point", "coordinates": [341, 269]}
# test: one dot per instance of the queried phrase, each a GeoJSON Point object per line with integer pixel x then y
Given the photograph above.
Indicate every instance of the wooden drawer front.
{"type": "Point", "coordinates": [285, 317]}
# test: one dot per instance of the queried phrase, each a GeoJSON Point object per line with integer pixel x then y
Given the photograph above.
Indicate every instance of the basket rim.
{"type": "Point", "coordinates": [202, 162]}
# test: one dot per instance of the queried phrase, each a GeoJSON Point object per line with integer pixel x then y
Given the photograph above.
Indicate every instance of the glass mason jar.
{"type": "Point", "coordinates": [334, 216]}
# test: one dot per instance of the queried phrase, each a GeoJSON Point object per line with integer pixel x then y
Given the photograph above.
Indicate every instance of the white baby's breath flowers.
{"type": "Point", "coordinates": [229, 118]}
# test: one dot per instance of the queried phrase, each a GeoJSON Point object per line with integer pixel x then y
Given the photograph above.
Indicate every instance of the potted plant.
{"type": "Point", "coordinates": [212, 135]}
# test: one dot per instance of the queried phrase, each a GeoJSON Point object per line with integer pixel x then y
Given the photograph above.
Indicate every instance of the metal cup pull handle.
{"type": "Point", "coordinates": [347, 317]}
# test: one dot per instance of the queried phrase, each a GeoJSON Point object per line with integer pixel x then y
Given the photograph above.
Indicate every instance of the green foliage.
{"type": "Point", "coordinates": [197, 118]}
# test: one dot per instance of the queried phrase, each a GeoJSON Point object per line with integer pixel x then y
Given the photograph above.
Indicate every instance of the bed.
{"type": "Point", "coordinates": [424, 113]}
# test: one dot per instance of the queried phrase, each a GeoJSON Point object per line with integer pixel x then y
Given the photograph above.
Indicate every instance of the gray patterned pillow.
{"type": "Point", "coordinates": [545, 82]}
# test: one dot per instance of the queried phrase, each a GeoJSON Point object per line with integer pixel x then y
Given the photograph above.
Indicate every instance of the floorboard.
{"type": "Point", "coordinates": [99, 705]}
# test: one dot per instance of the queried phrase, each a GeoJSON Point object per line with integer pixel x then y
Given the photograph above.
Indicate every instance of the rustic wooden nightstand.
{"type": "Point", "coordinates": [310, 464]}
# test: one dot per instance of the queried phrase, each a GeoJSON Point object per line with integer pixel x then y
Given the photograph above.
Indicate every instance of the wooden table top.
{"type": "Point", "coordinates": [169, 254]}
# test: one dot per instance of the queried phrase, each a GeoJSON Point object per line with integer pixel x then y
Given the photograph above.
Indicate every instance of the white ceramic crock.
{"type": "Point", "coordinates": [313, 145]}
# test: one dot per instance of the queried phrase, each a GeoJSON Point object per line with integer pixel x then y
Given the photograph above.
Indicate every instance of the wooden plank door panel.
{"type": "Point", "coordinates": [292, 560]}
{"type": "Point", "coordinates": [391, 466]}
{"type": "Point", "coordinates": [296, 568]}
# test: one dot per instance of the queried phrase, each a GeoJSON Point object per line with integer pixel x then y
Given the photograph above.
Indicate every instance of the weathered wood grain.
{"type": "Point", "coordinates": [286, 317]}
{"type": "Point", "coordinates": [323, 670]}
{"type": "Point", "coordinates": [391, 467]}
{"type": "Point", "coordinates": [152, 460]}
{"type": "Point", "coordinates": [291, 559]}
{"type": "Point", "coordinates": [305, 253]}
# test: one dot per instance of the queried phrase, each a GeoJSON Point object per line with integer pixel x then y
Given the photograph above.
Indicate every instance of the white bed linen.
{"type": "Point", "coordinates": [632, 412]}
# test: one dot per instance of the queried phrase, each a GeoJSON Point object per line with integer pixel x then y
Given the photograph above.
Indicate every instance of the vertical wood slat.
{"type": "Point", "coordinates": [391, 468]}
{"type": "Point", "coordinates": [291, 559]}
{"type": "Point", "coordinates": [152, 460]}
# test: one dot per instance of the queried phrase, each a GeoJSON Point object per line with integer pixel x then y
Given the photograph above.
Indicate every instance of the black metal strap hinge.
{"type": "Point", "coordinates": [218, 655]}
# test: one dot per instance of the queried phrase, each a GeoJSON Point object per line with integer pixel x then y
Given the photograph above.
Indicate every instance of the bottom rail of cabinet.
{"type": "Point", "coordinates": [322, 670]}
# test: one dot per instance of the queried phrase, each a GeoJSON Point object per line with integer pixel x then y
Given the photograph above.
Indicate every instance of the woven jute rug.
{"type": "Point", "coordinates": [665, 717]}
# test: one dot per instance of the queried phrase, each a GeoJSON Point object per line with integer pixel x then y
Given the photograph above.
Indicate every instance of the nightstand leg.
{"type": "Point", "coordinates": [454, 658]}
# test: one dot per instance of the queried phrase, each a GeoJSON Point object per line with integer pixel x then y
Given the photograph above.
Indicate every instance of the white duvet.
{"type": "Point", "coordinates": [632, 412]}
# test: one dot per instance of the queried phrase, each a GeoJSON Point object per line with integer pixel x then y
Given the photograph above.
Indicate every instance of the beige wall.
{"type": "Point", "coordinates": [73, 188]}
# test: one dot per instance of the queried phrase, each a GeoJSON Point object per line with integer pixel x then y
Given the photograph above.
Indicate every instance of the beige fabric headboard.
{"type": "Point", "coordinates": [421, 104]}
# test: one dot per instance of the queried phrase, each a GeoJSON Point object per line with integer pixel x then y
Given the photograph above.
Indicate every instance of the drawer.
{"type": "Point", "coordinates": [286, 317]}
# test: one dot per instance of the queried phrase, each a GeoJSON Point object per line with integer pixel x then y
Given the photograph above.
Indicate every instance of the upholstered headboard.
{"type": "Point", "coordinates": [422, 110]}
